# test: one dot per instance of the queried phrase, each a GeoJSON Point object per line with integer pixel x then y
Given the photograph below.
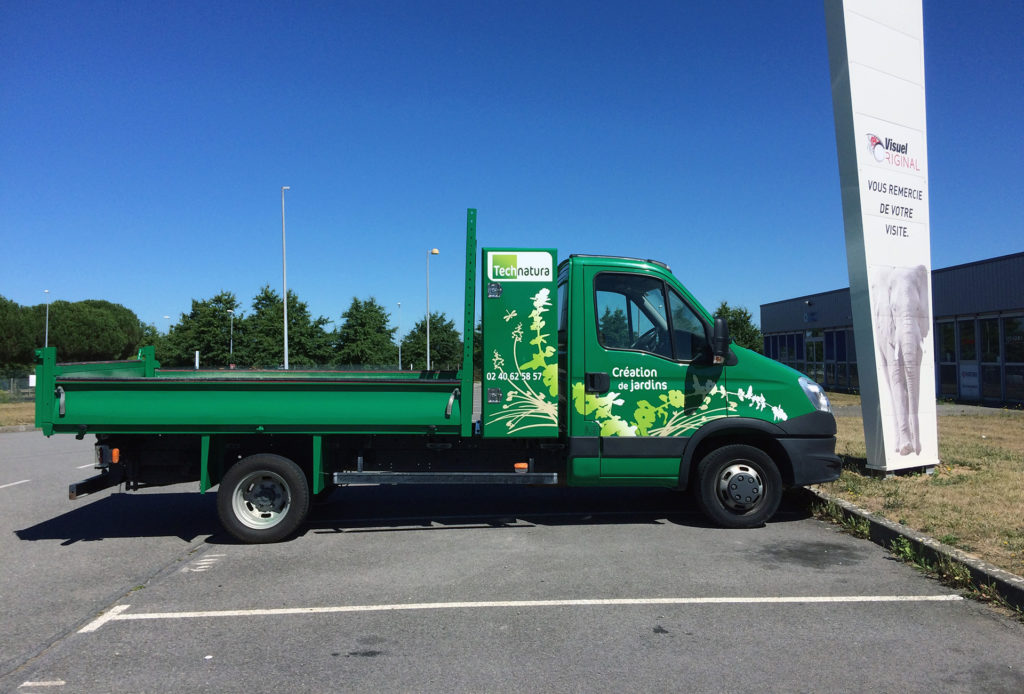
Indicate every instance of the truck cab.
{"type": "Point", "coordinates": [651, 399]}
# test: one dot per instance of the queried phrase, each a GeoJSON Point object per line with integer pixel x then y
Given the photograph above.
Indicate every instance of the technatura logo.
{"type": "Point", "coordinates": [895, 153]}
{"type": "Point", "coordinates": [519, 266]}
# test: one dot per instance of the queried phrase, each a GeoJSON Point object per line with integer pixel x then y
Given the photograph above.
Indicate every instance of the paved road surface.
{"type": "Point", "coordinates": [518, 590]}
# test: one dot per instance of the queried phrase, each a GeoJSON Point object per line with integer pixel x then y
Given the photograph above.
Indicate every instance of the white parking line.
{"type": "Point", "coordinates": [117, 613]}
{"type": "Point", "coordinates": [49, 683]}
{"type": "Point", "coordinates": [11, 484]}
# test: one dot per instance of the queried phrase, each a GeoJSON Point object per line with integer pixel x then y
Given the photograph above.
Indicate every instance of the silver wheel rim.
{"type": "Point", "coordinates": [261, 500]}
{"type": "Point", "coordinates": [740, 487]}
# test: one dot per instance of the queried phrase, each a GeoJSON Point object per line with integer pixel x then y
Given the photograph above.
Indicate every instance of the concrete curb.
{"type": "Point", "coordinates": [883, 531]}
{"type": "Point", "coordinates": [17, 427]}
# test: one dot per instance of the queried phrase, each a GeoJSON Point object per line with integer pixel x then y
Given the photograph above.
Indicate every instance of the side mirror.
{"type": "Point", "coordinates": [720, 341]}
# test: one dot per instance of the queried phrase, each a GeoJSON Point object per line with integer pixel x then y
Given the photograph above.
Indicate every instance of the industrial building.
{"type": "Point", "coordinates": [978, 333]}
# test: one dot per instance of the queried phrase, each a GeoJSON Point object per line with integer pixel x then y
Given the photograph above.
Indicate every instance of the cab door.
{"type": "Point", "coordinates": [648, 374]}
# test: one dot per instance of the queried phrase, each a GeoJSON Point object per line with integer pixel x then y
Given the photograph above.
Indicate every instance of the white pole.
{"type": "Point", "coordinates": [46, 337]}
{"type": "Point", "coordinates": [399, 335]}
{"type": "Point", "coordinates": [432, 251]}
{"type": "Point", "coordinates": [284, 278]}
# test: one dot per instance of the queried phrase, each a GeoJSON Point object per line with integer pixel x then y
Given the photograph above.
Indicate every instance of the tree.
{"type": "Point", "coordinates": [90, 330]}
{"type": "Point", "coordinates": [365, 337]}
{"type": "Point", "coordinates": [614, 330]}
{"type": "Point", "coordinates": [308, 343]}
{"type": "Point", "coordinates": [445, 344]}
{"type": "Point", "coordinates": [741, 327]}
{"type": "Point", "coordinates": [15, 337]}
{"type": "Point", "coordinates": [206, 328]}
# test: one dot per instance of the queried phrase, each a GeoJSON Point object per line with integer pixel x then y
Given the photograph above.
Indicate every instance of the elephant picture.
{"type": "Point", "coordinates": [901, 325]}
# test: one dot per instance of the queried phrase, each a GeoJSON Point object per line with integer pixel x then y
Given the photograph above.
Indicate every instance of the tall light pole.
{"type": "Point", "coordinates": [168, 319]}
{"type": "Point", "coordinates": [46, 336]}
{"type": "Point", "coordinates": [432, 251]}
{"type": "Point", "coordinates": [231, 347]}
{"type": "Point", "coordinates": [399, 335]}
{"type": "Point", "coordinates": [284, 278]}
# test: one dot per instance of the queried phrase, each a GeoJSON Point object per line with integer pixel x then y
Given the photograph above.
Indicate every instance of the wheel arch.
{"type": "Point", "coordinates": [723, 432]}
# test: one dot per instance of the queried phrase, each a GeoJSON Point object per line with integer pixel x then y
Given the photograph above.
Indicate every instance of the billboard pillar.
{"type": "Point", "coordinates": [876, 60]}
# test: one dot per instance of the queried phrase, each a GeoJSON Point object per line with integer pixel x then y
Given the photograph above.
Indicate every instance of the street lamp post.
{"type": "Point", "coordinates": [284, 278]}
{"type": "Point", "coordinates": [399, 335]}
{"type": "Point", "coordinates": [432, 251]}
{"type": "Point", "coordinates": [46, 336]}
{"type": "Point", "coordinates": [231, 344]}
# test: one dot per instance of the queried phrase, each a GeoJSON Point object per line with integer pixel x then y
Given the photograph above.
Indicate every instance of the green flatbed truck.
{"type": "Point", "coordinates": [597, 371]}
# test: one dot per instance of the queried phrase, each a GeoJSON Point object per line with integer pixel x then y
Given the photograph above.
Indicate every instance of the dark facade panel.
{"type": "Point", "coordinates": [813, 312]}
{"type": "Point", "coordinates": [982, 287]}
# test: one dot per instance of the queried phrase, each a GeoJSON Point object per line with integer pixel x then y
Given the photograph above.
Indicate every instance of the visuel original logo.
{"type": "Point", "coordinates": [895, 153]}
{"type": "Point", "coordinates": [519, 266]}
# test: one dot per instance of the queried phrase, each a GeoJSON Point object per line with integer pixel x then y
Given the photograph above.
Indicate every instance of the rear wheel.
{"type": "Point", "coordinates": [263, 498]}
{"type": "Point", "coordinates": [738, 486]}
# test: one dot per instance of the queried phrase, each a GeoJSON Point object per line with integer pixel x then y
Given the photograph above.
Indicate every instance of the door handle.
{"type": "Point", "coordinates": [597, 382]}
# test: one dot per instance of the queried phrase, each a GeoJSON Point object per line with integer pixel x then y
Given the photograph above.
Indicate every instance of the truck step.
{"type": "Point", "coordinates": [445, 478]}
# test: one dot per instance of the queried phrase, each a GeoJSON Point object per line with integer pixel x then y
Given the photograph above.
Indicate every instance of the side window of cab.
{"type": "Point", "coordinates": [633, 314]}
{"type": "Point", "coordinates": [688, 330]}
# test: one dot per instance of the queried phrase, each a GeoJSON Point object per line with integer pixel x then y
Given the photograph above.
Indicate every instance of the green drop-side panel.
{"type": "Point", "coordinates": [520, 360]}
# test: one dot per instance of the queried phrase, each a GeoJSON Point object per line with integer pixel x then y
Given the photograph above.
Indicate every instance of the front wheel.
{"type": "Point", "coordinates": [263, 498]}
{"type": "Point", "coordinates": [738, 486]}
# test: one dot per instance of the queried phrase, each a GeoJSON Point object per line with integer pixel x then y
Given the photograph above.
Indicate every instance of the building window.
{"type": "Point", "coordinates": [989, 340]}
{"type": "Point", "coordinates": [947, 380]}
{"type": "Point", "coordinates": [947, 342]}
{"type": "Point", "coordinates": [968, 347]}
{"type": "Point", "coordinates": [991, 384]}
{"type": "Point", "coordinates": [1013, 339]}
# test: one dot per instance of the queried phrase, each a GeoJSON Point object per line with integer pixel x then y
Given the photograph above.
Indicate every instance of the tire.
{"type": "Point", "coordinates": [738, 486]}
{"type": "Point", "coordinates": [263, 498]}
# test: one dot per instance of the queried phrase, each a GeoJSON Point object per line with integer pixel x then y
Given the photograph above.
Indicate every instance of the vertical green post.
{"type": "Point", "coordinates": [469, 327]}
{"type": "Point", "coordinates": [46, 375]}
{"type": "Point", "coordinates": [318, 464]}
{"type": "Point", "coordinates": [204, 465]}
{"type": "Point", "coordinates": [148, 356]}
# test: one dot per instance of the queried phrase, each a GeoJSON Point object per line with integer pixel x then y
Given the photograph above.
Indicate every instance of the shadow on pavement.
{"type": "Point", "coordinates": [385, 509]}
{"type": "Point", "coordinates": [389, 509]}
{"type": "Point", "coordinates": [175, 514]}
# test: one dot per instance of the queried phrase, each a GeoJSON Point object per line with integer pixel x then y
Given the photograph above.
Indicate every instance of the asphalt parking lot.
{"type": "Point", "coordinates": [462, 590]}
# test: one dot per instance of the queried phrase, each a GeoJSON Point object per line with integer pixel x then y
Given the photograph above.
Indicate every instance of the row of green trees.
{"type": "Point", "coordinates": [90, 330]}
{"type": "Point", "coordinates": [224, 333]}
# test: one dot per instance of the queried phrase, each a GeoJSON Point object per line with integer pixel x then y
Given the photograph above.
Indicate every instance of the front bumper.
{"type": "Point", "coordinates": [813, 460]}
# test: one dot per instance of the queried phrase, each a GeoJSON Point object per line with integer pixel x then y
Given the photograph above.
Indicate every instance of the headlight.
{"type": "Point", "coordinates": [816, 394]}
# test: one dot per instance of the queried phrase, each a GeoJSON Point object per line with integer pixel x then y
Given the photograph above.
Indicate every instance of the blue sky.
{"type": "Point", "coordinates": [143, 145]}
